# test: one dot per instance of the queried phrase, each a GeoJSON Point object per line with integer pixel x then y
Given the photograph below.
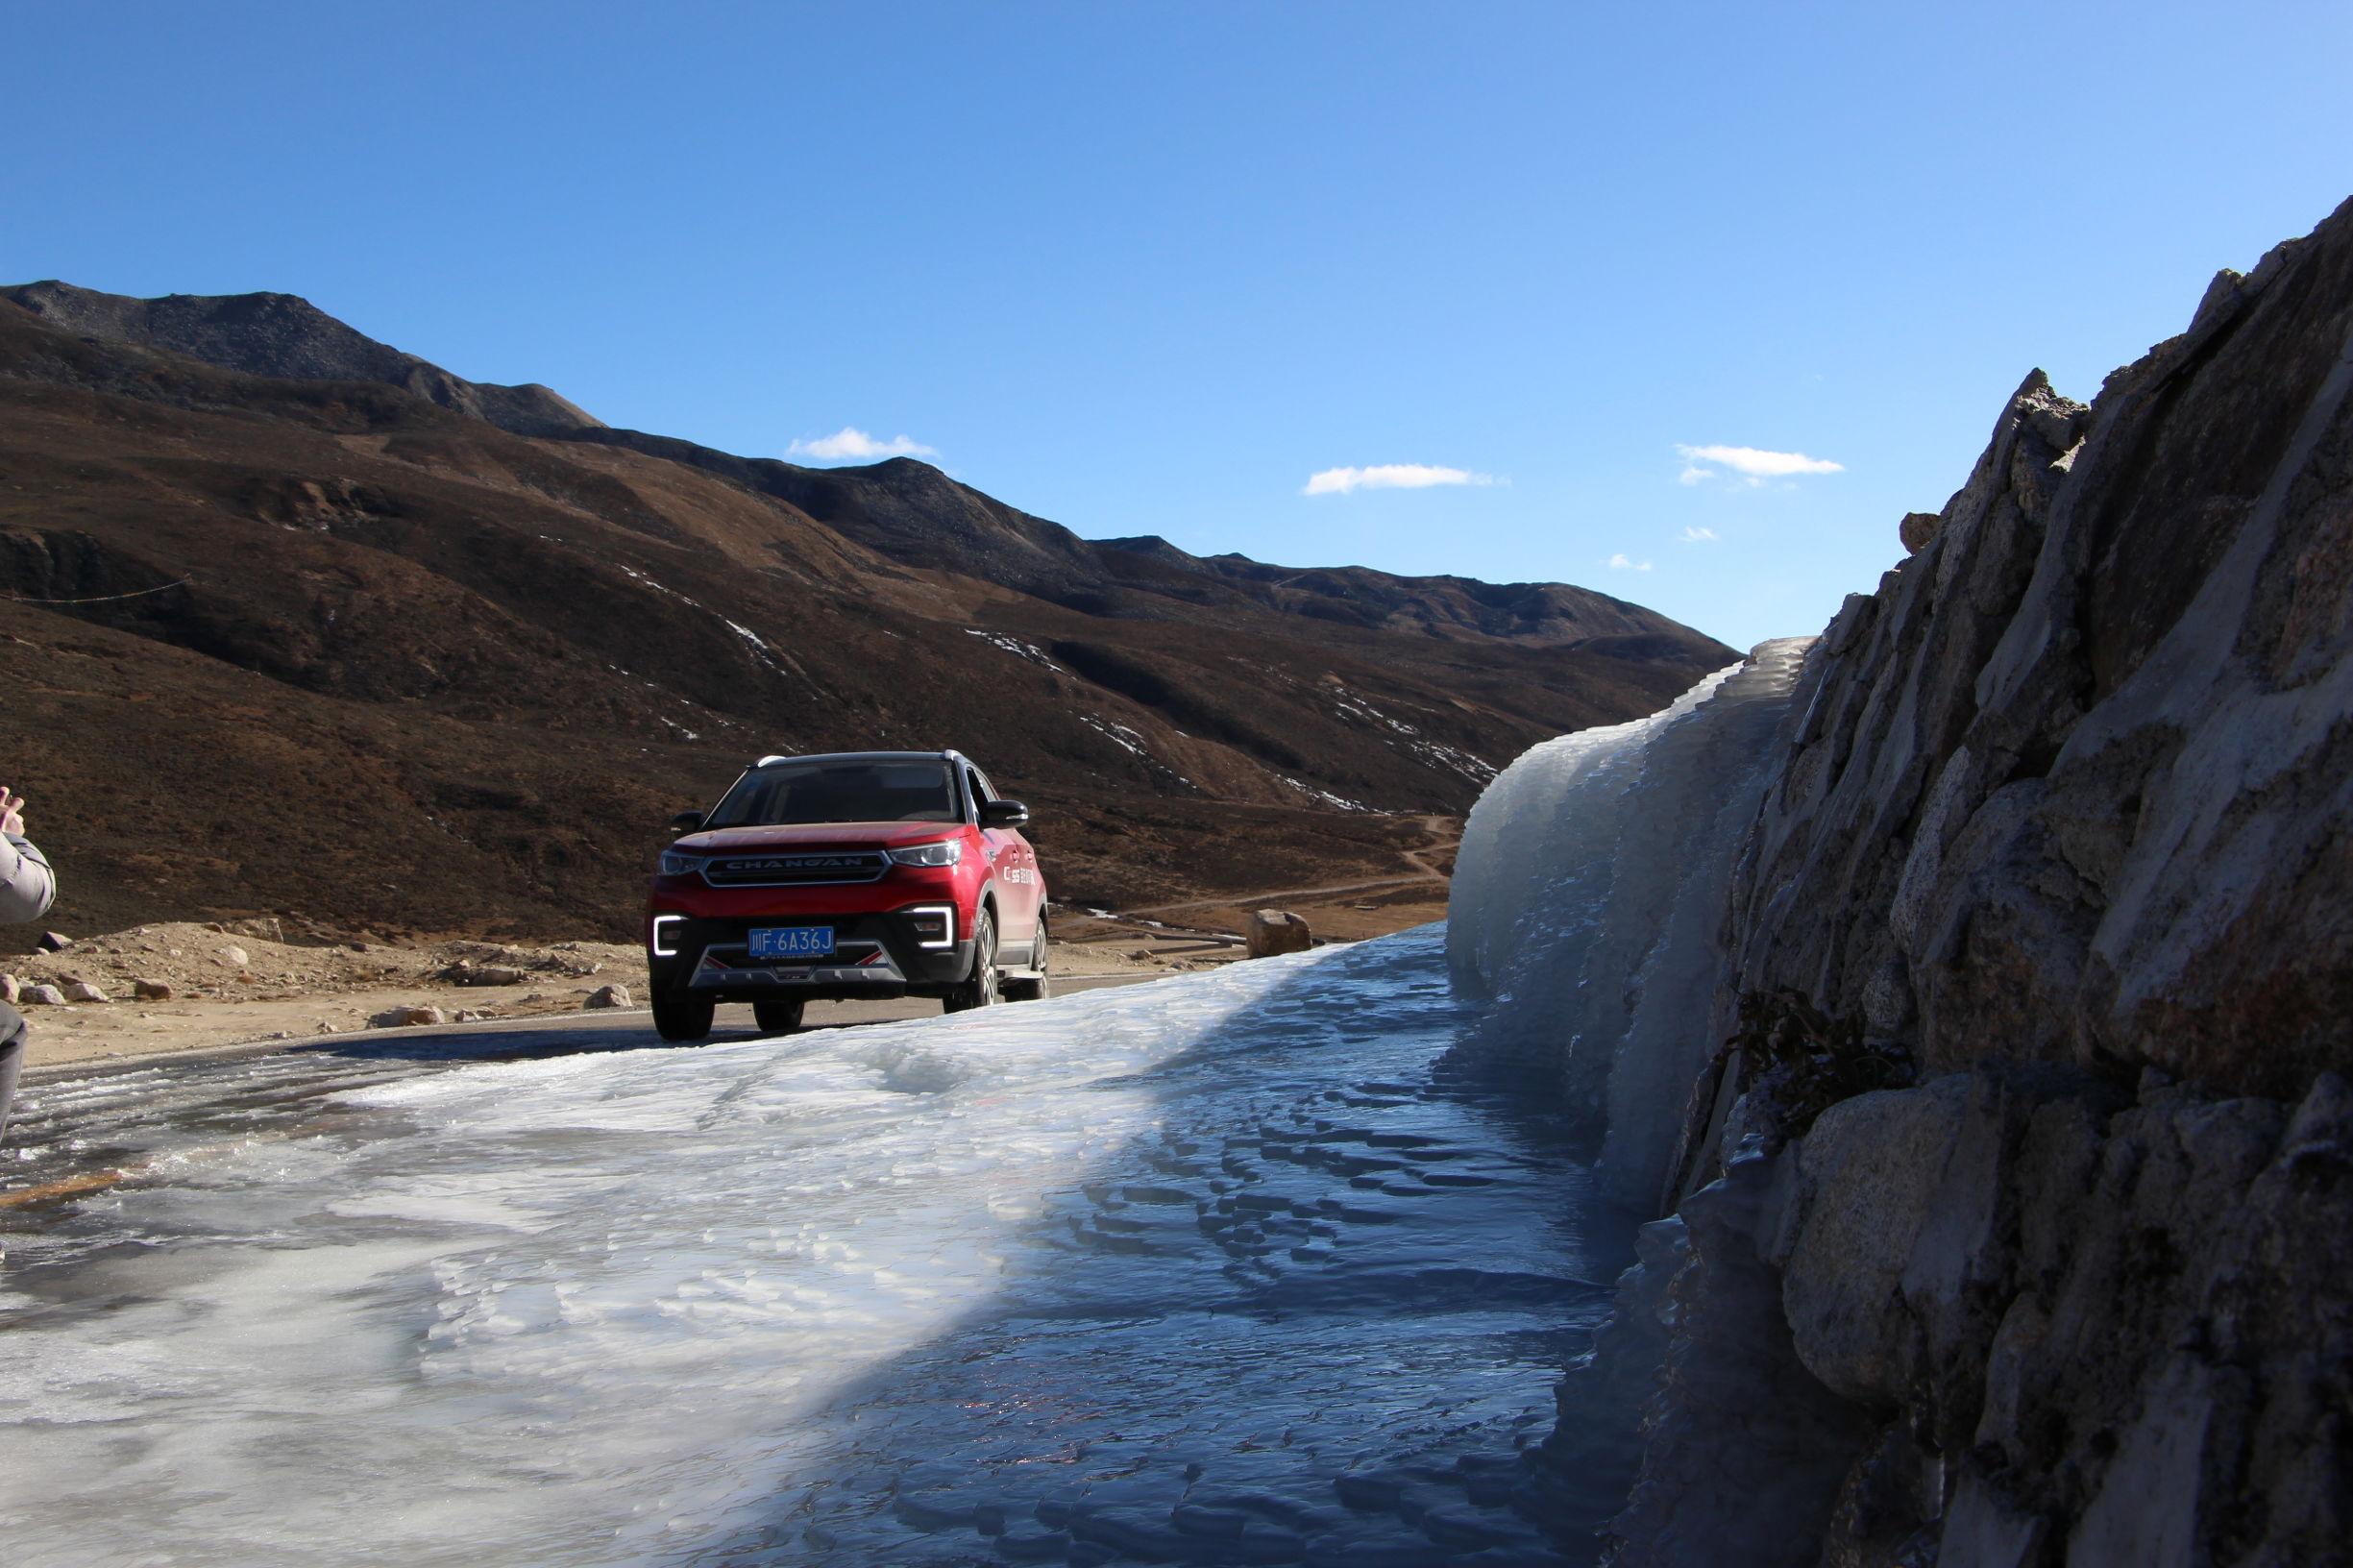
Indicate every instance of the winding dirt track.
{"type": "Point", "coordinates": [1443, 834]}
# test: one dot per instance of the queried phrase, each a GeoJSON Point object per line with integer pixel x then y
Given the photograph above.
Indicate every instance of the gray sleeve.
{"type": "Point", "coordinates": [27, 885]}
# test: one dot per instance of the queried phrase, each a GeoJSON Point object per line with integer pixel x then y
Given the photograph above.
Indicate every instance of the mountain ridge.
{"type": "Point", "coordinates": [286, 335]}
{"type": "Point", "coordinates": [899, 504]}
{"type": "Point", "coordinates": [510, 657]}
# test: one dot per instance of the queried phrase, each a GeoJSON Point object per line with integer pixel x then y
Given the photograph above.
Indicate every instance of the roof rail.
{"type": "Point", "coordinates": [781, 756]}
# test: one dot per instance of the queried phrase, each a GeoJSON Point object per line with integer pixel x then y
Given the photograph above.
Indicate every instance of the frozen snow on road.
{"type": "Point", "coordinates": [1208, 1270]}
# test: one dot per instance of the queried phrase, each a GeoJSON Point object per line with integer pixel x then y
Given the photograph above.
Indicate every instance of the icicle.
{"type": "Point", "coordinates": [1588, 897]}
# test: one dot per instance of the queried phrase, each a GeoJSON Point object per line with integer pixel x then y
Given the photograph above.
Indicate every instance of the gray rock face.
{"type": "Point", "coordinates": [2123, 1328]}
{"type": "Point", "coordinates": [2013, 1317]}
{"type": "Point", "coordinates": [2063, 818]}
{"type": "Point", "coordinates": [2077, 784]}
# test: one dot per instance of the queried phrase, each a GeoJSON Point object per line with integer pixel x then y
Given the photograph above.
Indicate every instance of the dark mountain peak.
{"type": "Point", "coordinates": [285, 335]}
{"type": "Point", "coordinates": [907, 510]}
{"type": "Point", "coordinates": [1153, 547]}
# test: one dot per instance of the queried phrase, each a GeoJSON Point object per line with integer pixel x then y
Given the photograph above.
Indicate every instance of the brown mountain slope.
{"type": "Point", "coordinates": [910, 511]}
{"type": "Point", "coordinates": [415, 670]}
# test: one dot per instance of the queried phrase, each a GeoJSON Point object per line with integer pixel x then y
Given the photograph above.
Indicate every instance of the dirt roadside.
{"type": "Point", "coordinates": [227, 986]}
{"type": "Point", "coordinates": [186, 986]}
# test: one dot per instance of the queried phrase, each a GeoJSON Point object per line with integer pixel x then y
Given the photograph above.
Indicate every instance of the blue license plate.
{"type": "Point", "coordinates": [792, 942]}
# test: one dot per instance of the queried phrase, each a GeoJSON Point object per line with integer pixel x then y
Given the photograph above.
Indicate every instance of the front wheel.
{"type": "Point", "coordinates": [1042, 987]}
{"type": "Point", "coordinates": [681, 1017]}
{"type": "Point", "coordinates": [777, 1018]}
{"type": "Point", "coordinates": [979, 990]}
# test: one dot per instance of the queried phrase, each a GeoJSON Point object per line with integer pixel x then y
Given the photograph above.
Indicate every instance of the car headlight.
{"type": "Point", "coordinates": [946, 852]}
{"type": "Point", "coordinates": [674, 864]}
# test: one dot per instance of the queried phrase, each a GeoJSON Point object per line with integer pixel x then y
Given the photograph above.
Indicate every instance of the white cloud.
{"type": "Point", "coordinates": [1340, 481]}
{"type": "Point", "coordinates": [1699, 536]}
{"type": "Point", "coordinates": [1622, 562]}
{"type": "Point", "coordinates": [1753, 465]}
{"type": "Point", "coordinates": [851, 442]}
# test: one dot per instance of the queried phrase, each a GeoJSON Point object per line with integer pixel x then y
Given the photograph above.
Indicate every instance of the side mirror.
{"type": "Point", "coordinates": [686, 822]}
{"type": "Point", "coordinates": [1003, 813]}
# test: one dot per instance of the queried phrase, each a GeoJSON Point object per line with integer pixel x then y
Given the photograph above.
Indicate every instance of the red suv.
{"type": "Point", "coordinates": [858, 874]}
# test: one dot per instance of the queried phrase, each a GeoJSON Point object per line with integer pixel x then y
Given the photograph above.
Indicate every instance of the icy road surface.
{"type": "Point", "coordinates": [1212, 1270]}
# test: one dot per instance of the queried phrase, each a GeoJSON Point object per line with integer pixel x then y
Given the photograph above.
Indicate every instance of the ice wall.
{"type": "Point", "coordinates": [1589, 900]}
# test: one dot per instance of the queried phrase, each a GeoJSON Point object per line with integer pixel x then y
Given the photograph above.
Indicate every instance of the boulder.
{"type": "Point", "coordinates": [42, 996]}
{"type": "Point", "coordinates": [54, 942]}
{"type": "Point", "coordinates": [236, 956]}
{"type": "Point", "coordinates": [1275, 931]}
{"type": "Point", "coordinates": [9, 989]}
{"type": "Point", "coordinates": [1918, 531]}
{"type": "Point", "coordinates": [609, 997]}
{"type": "Point", "coordinates": [405, 1018]}
{"type": "Point", "coordinates": [82, 990]}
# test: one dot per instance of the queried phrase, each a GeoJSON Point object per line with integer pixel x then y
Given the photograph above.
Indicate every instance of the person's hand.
{"type": "Point", "coordinates": [11, 812]}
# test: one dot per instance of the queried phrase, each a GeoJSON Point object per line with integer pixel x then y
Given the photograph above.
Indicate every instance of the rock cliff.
{"type": "Point", "coordinates": [2017, 1226]}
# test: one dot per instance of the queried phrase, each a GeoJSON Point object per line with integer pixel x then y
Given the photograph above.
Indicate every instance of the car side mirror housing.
{"type": "Point", "coordinates": [1003, 813]}
{"type": "Point", "coordinates": [686, 822]}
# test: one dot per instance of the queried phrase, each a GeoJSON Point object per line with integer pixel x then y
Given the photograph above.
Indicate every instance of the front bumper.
{"type": "Point", "coordinates": [875, 955]}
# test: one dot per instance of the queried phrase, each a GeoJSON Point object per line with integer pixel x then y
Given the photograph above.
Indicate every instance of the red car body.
{"type": "Point", "coordinates": [727, 898]}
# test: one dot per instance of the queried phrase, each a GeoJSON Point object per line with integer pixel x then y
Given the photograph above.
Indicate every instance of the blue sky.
{"type": "Point", "coordinates": [1152, 269]}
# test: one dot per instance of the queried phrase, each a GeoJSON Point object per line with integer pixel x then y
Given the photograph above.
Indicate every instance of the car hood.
{"type": "Point", "coordinates": [736, 841]}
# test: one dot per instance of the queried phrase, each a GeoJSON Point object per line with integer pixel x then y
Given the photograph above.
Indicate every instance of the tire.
{"type": "Point", "coordinates": [681, 1017]}
{"type": "Point", "coordinates": [1040, 957]}
{"type": "Point", "coordinates": [980, 988]}
{"type": "Point", "coordinates": [777, 1018]}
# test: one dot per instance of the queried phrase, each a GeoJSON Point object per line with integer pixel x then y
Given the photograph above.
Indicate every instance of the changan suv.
{"type": "Point", "coordinates": [862, 874]}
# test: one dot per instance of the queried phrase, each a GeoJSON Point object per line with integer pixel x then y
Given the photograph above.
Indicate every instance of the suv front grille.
{"type": "Point", "coordinates": [795, 870]}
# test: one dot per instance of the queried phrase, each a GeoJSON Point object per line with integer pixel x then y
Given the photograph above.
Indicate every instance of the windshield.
{"type": "Point", "coordinates": [840, 791]}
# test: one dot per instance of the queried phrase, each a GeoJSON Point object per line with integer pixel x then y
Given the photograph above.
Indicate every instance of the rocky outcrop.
{"type": "Point", "coordinates": [2011, 1318]}
{"type": "Point", "coordinates": [1273, 931]}
{"type": "Point", "coordinates": [2076, 783]}
{"type": "Point", "coordinates": [2018, 1228]}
